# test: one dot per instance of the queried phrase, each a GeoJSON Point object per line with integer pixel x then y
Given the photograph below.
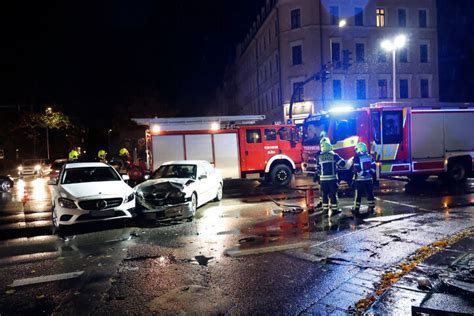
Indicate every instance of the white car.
{"type": "Point", "coordinates": [88, 192]}
{"type": "Point", "coordinates": [177, 188]}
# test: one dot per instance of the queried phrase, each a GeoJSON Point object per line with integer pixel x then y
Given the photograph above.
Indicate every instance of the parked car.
{"type": "Point", "coordinates": [177, 188]}
{"type": "Point", "coordinates": [31, 167]}
{"type": "Point", "coordinates": [6, 183]}
{"type": "Point", "coordinates": [90, 191]}
{"type": "Point", "coordinates": [56, 168]}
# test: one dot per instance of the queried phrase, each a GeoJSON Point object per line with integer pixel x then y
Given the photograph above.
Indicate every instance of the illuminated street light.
{"type": "Point", "coordinates": [391, 46]}
{"type": "Point", "coordinates": [342, 23]}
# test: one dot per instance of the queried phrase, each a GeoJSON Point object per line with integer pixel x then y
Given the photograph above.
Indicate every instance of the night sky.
{"type": "Point", "coordinates": [97, 56]}
{"type": "Point", "coordinates": [94, 56]}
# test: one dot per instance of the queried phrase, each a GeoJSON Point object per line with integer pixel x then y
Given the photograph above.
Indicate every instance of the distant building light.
{"type": "Point", "coordinates": [215, 126]}
{"type": "Point", "coordinates": [342, 23]}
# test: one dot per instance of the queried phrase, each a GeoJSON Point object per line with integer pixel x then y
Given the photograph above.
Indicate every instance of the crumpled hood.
{"type": "Point", "coordinates": [163, 184]}
{"type": "Point", "coordinates": [79, 190]}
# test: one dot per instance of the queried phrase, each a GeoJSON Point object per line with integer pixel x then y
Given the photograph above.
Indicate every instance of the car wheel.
{"type": "Point", "coordinates": [55, 220]}
{"type": "Point", "coordinates": [193, 206]}
{"type": "Point", "coordinates": [5, 185]}
{"type": "Point", "coordinates": [457, 172]}
{"type": "Point", "coordinates": [219, 193]}
{"type": "Point", "coordinates": [281, 175]}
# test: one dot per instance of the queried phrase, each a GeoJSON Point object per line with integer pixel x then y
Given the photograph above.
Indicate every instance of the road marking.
{"type": "Point", "coordinates": [404, 204]}
{"type": "Point", "coordinates": [236, 252]}
{"type": "Point", "coordinates": [46, 278]}
{"type": "Point", "coordinates": [389, 218]}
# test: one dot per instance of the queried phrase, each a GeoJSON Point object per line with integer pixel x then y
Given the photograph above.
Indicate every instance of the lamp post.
{"type": "Point", "coordinates": [108, 139]}
{"type": "Point", "coordinates": [392, 46]}
{"type": "Point", "coordinates": [48, 111]}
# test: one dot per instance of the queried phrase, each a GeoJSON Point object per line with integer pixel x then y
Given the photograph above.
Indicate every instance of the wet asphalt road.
{"type": "Point", "coordinates": [239, 256]}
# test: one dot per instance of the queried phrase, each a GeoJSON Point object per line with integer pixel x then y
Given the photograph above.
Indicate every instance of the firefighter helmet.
{"type": "Point", "coordinates": [123, 152]}
{"type": "Point", "coordinates": [101, 154]}
{"type": "Point", "coordinates": [360, 148]}
{"type": "Point", "coordinates": [73, 155]}
{"type": "Point", "coordinates": [324, 140]}
{"type": "Point", "coordinates": [326, 146]}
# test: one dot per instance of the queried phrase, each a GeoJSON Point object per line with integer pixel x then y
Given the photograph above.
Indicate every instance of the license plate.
{"type": "Point", "coordinates": [103, 213]}
{"type": "Point", "coordinates": [173, 212]}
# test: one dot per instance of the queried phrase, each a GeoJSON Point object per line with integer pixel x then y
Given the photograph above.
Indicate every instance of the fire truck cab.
{"type": "Point", "coordinates": [405, 141]}
{"type": "Point", "coordinates": [235, 145]}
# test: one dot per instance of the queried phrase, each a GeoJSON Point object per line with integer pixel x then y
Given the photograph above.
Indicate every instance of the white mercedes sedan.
{"type": "Point", "coordinates": [88, 192]}
{"type": "Point", "coordinates": [177, 188]}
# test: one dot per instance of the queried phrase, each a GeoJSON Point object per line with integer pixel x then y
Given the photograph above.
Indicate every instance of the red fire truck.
{"type": "Point", "coordinates": [405, 141]}
{"type": "Point", "coordinates": [233, 144]}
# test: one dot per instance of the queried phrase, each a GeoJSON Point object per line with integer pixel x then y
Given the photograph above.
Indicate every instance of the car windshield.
{"type": "Point", "coordinates": [175, 171]}
{"type": "Point", "coordinates": [89, 174]}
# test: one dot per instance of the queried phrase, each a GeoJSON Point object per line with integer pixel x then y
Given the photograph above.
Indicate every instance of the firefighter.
{"type": "Point", "coordinates": [102, 156]}
{"type": "Point", "coordinates": [73, 155]}
{"type": "Point", "coordinates": [364, 169]}
{"type": "Point", "coordinates": [125, 158]}
{"type": "Point", "coordinates": [327, 162]}
{"type": "Point", "coordinates": [323, 139]}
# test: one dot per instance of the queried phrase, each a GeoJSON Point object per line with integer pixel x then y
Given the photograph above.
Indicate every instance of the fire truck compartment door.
{"type": "Point", "coordinates": [199, 147]}
{"type": "Point", "coordinates": [455, 127]}
{"type": "Point", "coordinates": [427, 135]}
{"type": "Point", "coordinates": [226, 149]}
{"type": "Point", "coordinates": [166, 148]}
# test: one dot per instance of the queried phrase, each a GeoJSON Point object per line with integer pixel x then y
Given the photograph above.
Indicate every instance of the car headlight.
{"type": "Point", "coordinates": [177, 194]}
{"type": "Point", "coordinates": [66, 203]}
{"type": "Point", "coordinates": [20, 168]}
{"type": "Point", "coordinates": [129, 198]}
{"type": "Point", "coordinates": [37, 167]}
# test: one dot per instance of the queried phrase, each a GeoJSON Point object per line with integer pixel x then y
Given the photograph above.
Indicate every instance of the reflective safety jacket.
{"type": "Point", "coordinates": [364, 167]}
{"type": "Point", "coordinates": [326, 165]}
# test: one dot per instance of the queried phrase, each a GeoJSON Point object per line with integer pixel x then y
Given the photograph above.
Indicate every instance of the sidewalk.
{"type": "Point", "coordinates": [442, 284]}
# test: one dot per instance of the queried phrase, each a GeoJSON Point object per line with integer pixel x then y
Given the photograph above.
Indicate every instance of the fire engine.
{"type": "Point", "coordinates": [235, 145]}
{"type": "Point", "coordinates": [405, 141]}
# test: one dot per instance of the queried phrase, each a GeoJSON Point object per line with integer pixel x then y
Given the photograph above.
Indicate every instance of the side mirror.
{"type": "Point", "coordinates": [53, 182]}
{"type": "Point", "coordinates": [203, 176]}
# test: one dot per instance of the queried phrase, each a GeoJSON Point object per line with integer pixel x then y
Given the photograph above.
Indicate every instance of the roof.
{"type": "Point", "coordinates": [85, 165]}
{"type": "Point", "coordinates": [184, 162]}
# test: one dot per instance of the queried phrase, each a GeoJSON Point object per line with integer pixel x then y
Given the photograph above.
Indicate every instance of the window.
{"type": "Point", "coordinates": [423, 53]}
{"type": "Point", "coordinates": [376, 127]}
{"type": "Point", "coordinates": [297, 55]}
{"type": "Point", "coordinates": [361, 93]}
{"type": "Point", "coordinates": [403, 55]}
{"type": "Point", "coordinates": [360, 53]}
{"type": "Point", "coordinates": [334, 12]}
{"type": "Point", "coordinates": [423, 19]}
{"type": "Point", "coordinates": [380, 17]}
{"type": "Point", "coordinates": [298, 90]}
{"type": "Point", "coordinates": [336, 53]}
{"type": "Point", "coordinates": [295, 18]}
{"type": "Point", "coordinates": [403, 89]}
{"type": "Point", "coordinates": [392, 127]}
{"type": "Point", "coordinates": [424, 88]}
{"type": "Point", "coordinates": [382, 56]}
{"type": "Point", "coordinates": [270, 134]}
{"type": "Point", "coordinates": [345, 128]}
{"type": "Point", "coordinates": [254, 136]}
{"type": "Point", "coordinates": [284, 133]}
{"type": "Point", "coordinates": [359, 17]}
{"type": "Point", "coordinates": [402, 17]}
{"type": "Point", "coordinates": [337, 89]}
{"type": "Point", "coordinates": [382, 89]}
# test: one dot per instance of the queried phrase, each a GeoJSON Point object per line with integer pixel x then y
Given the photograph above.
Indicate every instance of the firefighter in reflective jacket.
{"type": "Point", "coordinates": [323, 139]}
{"type": "Point", "coordinates": [364, 168]}
{"type": "Point", "coordinates": [327, 162]}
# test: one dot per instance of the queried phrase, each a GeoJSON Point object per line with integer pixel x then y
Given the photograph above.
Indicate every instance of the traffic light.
{"type": "Point", "coordinates": [325, 73]}
{"type": "Point", "coordinates": [346, 59]}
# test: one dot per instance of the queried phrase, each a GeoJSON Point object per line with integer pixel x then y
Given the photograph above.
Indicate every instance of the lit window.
{"type": "Point", "coordinates": [380, 17]}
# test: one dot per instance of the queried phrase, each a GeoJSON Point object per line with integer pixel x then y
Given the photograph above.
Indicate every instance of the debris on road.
{"type": "Point", "coordinates": [46, 278]}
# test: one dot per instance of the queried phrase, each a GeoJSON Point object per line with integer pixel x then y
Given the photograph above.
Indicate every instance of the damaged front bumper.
{"type": "Point", "coordinates": [175, 211]}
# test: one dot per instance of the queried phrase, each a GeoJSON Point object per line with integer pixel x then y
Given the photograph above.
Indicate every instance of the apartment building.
{"type": "Point", "coordinates": [291, 39]}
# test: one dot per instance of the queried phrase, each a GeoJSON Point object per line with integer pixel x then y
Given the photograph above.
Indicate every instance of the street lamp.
{"type": "Point", "coordinates": [392, 46]}
{"type": "Point", "coordinates": [48, 112]}
{"type": "Point", "coordinates": [108, 139]}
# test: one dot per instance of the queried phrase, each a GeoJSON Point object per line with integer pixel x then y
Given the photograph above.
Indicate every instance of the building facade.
{"type": "Point", "coordinates": [291, 40]}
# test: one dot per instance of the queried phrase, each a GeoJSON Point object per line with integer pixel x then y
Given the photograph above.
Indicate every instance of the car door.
{"type": "Point", "coordinates": [213, 181]}
{"type": "Point", "coordinates": [203, 186]}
